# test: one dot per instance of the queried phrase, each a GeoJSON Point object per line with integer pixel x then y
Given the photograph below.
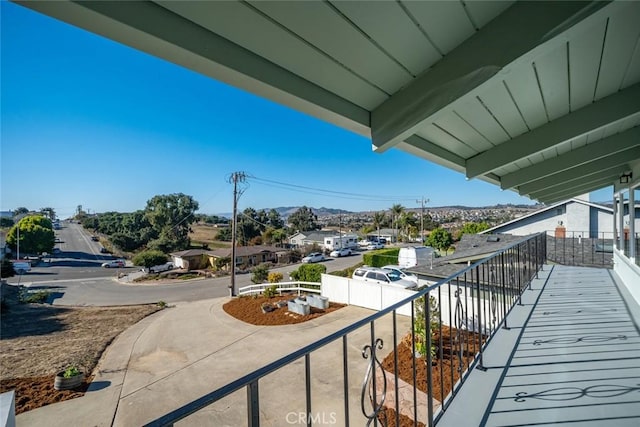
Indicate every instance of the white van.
{"type": "Point", "coordinates": [381, 277]}
{"type": "Point", "coordinates": [21, 267]}
{"type": "Point", "coordinates": [415, 255]}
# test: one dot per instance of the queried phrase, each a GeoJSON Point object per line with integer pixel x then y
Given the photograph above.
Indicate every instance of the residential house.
{"type": "Point", "coordinates": [470, 249]}
{"type": "Point", "coordinates": [574, 217]}
{"type": "Point", "coordinates": [251, 255]}
{"type": "Point", "coordinates": [191, 259]}
{"type": "Point", "coordinates": [389, 234]}
{"type": "Point", "coordinates": [308, 238]}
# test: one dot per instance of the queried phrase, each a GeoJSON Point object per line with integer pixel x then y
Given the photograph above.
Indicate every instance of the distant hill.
{"type": "Point", "coordinates": [285, 211]}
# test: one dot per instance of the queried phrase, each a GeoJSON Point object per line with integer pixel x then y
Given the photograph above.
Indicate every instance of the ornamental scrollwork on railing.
{"type": "Point", "coordinates": [460, 322]}
{"type": "Point", "coordinates": [369, 352]}
{"type": "Point", "coordinates": [493, 301]}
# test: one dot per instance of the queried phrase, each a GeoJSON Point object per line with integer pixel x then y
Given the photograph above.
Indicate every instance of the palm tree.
{"type": "Point", "coordinates": [396, 210]}
{"type": "Point", "coordinates": [378, 219]}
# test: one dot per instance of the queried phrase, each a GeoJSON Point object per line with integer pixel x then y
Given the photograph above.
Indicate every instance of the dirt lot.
{"type": "Point", "coordinates": [39, 340]}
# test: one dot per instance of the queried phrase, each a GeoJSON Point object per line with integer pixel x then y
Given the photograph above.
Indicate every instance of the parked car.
{"type": "Point", "coordinates": [116, 263]}
{"type": "Point", "coordinates": [375, 245]}
{"type": "Point", "coordinates": [104, 250]}
{"type": "Point", "coordinates": [340, 252]}
{"type": "Point", "coordinates": [313, 257]}
{"type": "Point", "coordinates": [403, 275]}
{"type": "Point", "coordinates": [21, 267]}
{"type": "Point", "coordinates": [382, 277]}
{"type": "Point", "coordinates": [162, 267]}
{"type": "Point", "coordinates": [95, 238]}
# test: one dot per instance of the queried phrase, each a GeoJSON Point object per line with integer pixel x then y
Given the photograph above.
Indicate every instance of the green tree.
{"type": "Point", "coordinates": [36, 235]}
{"type": "Point", "coordinates": [420, 326]}
{"type": "Point", "coordinates": [407, 222]}
{"type": "Point", "coordinates": [224, 234]}
{"type": "Point", "coordinates": [171, 216]}
{"type": "Point", "coordinates": [6, 222]}
{"type": "Point", "coordinates": [304, 219]}
{"type": "Point", "coordinates": [49, 213]}
{"type": "Point", "coordinates": [20, 211]}
{"type": "Point", "coordinates": [396, 210]}
{"type": "Point", "coordinates": [260, 273]}
{"type": "Point", "coordinates": [309, 273]}
{"type": "Point", "coordinates": [275, 220]}
{"type": "Point", "coordinates": [222, 263]}
{"type": "Point", "coordinates": [472, 228]}
{"type": "Point", "coordinates": [149, 258]}
{"type": "Point", "coordinates": [440, 239]}
{"type": "Point", "coordinates": [378, 219]}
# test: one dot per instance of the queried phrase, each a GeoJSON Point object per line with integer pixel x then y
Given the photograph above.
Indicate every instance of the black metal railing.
{"type": "Point", "coordinates": [578, 248]}
{"type": "Point", "coordinates": [452, 323]}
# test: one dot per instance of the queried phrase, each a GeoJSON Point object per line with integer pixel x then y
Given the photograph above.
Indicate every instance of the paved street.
{"type": "Point", "coordinates": [75, 277]}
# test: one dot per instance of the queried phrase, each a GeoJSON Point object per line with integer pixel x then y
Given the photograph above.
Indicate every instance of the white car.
{"type": "Point", "coordinates": [162, 267]}
{"type": "Point", "coordinates": [404, 276]}
{"type": "Point", "coordinates": [116, 263]}
{"type": "Point", "coordinates": [375, 245]}
{"type": "Point", "coordinates": [382, 277]}
{"type": "Point", "coordinates": [340, 252]}
{"type": "Point", "coordinates": [313, 257]}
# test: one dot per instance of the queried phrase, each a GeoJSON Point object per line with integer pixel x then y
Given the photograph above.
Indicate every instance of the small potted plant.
{"type": "Point", "coordinates": [68, 379]}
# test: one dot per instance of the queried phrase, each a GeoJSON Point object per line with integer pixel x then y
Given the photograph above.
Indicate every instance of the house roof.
{"type": "Point", "coordinates": [245, 251]}
{"type": "Point", "coordinates": [318, 236]}
{"type": "Point", "coordinates": [545, 209]}
{"type": "Point", "coordinates": [542, 98]}
{"type": "Point", "coordinates": [471, 248]}
{"type": "Point", "coordinates": [190, 253]}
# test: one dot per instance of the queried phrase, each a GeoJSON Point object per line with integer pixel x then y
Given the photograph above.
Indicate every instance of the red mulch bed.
{"type": "Point", "coordinates": [249, 310]}
{"type": "Point", "coordinates": [444, 371]}
{"type": "Point", "coordinates": [34, 392]}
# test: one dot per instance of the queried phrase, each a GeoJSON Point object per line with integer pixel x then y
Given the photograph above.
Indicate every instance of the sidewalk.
{"type": "Point", "coordinates": [186, 351]}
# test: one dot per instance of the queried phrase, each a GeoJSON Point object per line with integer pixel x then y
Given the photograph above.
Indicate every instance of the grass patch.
{"type": "Point", "coordinates": [38, 297]}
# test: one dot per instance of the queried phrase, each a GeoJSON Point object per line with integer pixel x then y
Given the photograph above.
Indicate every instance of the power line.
{"type": "Point", "coordinates": [324, 192]}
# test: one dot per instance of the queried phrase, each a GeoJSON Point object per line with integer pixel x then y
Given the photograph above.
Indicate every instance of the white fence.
{"type": "Point", "coordinates": [281, 287]}
{"type": "Point", "coordinates": [363, 294]}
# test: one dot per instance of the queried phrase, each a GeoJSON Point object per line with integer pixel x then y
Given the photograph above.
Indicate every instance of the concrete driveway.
{"type": "Point", "coordinates": [186, 351]}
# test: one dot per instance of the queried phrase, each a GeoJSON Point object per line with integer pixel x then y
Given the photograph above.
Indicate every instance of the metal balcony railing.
{"type": "Point", "coordinates": [453, 322]}
{"type": "Point", "coordinates": [581, 248]}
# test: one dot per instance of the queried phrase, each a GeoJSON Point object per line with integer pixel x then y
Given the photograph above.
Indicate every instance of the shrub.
{"type": "Point", "coordinates": [6, 269]}
{"type": "Point", "coordinates": [260, 273]}
{"type": "Point", "coordinates": [309, 272]}
{"type": "Point", "coordinates": [38, 297]}
{"type": "Point", "coordinates": [271, 291]}
{"type": "Point", "coordinates": [420, 328]}
{"type": "Point", "coordinates": [275, 277]}
{"type": "Point", "coordinates": [381, 257]}
{"type": "Point", "coordinates": [71, 371]}
{"type": "Point", "coordinates": [149, 258]}
{"type": "Point", "coordinates": [347, 272]}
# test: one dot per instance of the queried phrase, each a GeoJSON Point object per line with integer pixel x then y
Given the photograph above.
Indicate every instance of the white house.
{"type": "Point", "coordinates": [574, 217]}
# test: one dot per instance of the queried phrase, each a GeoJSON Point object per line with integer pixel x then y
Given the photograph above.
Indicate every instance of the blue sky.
{"type": "Point", "coordinates": [87, 121]}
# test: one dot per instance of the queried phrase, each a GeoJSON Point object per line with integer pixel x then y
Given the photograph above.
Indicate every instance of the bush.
{"type": "Point", "coordinates": [38, 297]}
{"type": "Point", "coordinates": [271, 291]}
{"type": "Point", "coordinates": [260, 273]}
{"type": "Point", "coordinates": [275, 277]}
{"type": "Point", "coordinates": [347, 272]}
{"type": "Point", "coordinates": [381, 257]}
{"type": "Point", "coordinates": [6, 269]}
{"type": "Point", "coordinates": [149, 258]}
{"type": "Point", "coordinates": [309, 272]}
{"type": "Point", "coordinates": [420, 326]}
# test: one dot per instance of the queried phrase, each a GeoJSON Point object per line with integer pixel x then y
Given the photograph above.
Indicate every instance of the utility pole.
{"type": "Point", "coordinates": [422, 202]}
{"type": "Point", "coordinates": [235, 178]}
